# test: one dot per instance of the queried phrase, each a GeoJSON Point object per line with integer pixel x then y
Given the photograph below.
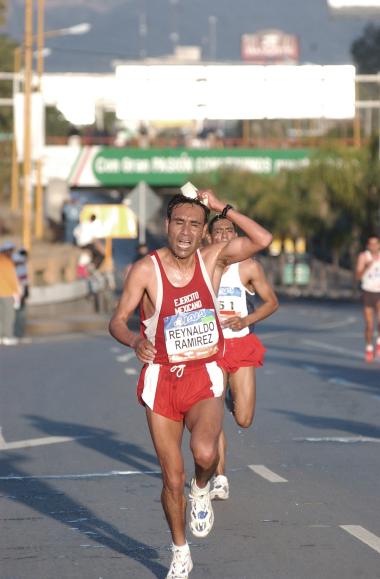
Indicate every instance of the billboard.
{"type": "Point", "coordinates": [242, 91]}
{"type": "Point", "coordinates": [270, 47]}
{"type": "Point", "coordinates": [125, 167]}
{"type": "Point", "coordinates": [355, 7]}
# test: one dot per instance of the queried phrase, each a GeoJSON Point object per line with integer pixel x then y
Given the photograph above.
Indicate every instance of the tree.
{"type": "Point", "coordinates": [365, 50]}
{"type": "Point", "coordinates": [3, 9]}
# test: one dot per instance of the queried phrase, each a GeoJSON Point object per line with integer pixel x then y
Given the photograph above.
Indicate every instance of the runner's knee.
{"type": "Point", "coordinates": [205, 454]}
{"type": "Point", "coordinates": [244, 419]}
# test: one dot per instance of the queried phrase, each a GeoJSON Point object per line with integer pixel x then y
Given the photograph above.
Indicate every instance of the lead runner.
{"type": "Point", "coordinates": [180, 345]}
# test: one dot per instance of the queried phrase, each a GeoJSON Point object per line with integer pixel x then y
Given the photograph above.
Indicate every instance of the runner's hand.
{"type": "Point", "coordinates": [145, 351]}
{"type": "Point", "coordinates": [235, 323]}
{"type": "Point", "coordinates": [212, 202]}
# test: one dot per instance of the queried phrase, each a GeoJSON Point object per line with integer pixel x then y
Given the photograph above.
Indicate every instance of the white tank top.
{"type": "Point", "coordinates": [232, 300]}
{"type": "Point", "coordinates": [371, 279]}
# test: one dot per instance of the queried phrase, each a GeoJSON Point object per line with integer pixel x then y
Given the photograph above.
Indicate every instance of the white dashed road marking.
{"type": "Point", "coordinates": [266, 473]}
{"type": "Point", "coordinates": [363, 535]}
{"type": "Point", "coordinates": [126, 357]}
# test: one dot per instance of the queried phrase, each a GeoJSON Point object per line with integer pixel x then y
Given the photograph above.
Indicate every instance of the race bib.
{"type": "Point", "coordinates": [230, 301]}
{"type": "Point", "coordinates": [191, 336]}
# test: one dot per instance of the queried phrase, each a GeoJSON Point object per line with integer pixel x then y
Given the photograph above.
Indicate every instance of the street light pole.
{"type": "Point", "coordinates": [41, 35]}
{"type": "Point", "coordinates": [39, 220]}
{"type": "Point", "coordinates": [27, 47]}
{"type": "Point", "coordinates": [28, 41]}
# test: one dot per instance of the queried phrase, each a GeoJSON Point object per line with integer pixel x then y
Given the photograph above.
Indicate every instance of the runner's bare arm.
{"type": "Point", "coordinates": [362, 265]}
{"type": "Point", "coordinates": [135, 285]}
{"type": "Point", "coordinates": [253, 275]}
{"type": "Point", "coordinates": [240, 248]}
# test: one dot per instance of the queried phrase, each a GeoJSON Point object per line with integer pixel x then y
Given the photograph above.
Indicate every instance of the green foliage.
{"type": "Point", "coordinates": [3, 9]}
{"type": "Point", "coordinates": [56, 124]}
{"type": "Point", "coordinates": [333, 203]}
{"type": "Point", "coordinates": [7, 47]}
{"type": "Point", "coordinates": [365, 50]}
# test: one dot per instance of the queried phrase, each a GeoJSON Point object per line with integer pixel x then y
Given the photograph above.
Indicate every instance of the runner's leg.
{"type": "Point", "coordinates": [369, 326]}
{"type": "Point", "coordinates": [243, 387]}
{"type": "Point", "coordinates": [204, 421]}
{"type": "Point", "coordinates": [167, 438]}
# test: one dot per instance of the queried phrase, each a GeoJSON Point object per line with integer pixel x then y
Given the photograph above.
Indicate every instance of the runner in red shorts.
{"type": "Point", "coordinates": [243, 350]}
{"type": "Point", "coordinates": [181, 344]}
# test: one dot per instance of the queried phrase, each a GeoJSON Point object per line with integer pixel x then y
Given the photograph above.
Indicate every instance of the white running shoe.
{"type": "Point", "coordinates": [220, 488]}
{"type": "Point", "coordinates": [181, 564]}
{"type": "Point", "coordinates": [201, 514]}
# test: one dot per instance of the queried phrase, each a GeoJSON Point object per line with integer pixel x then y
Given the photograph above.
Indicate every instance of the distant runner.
{"type": "Point", "coordinates": [368, 272]}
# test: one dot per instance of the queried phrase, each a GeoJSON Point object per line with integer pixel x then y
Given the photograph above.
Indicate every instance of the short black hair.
{"type": "Point", "coordinates": [216, 218]}
{"type": "Point", "coordinates": [180, 199]}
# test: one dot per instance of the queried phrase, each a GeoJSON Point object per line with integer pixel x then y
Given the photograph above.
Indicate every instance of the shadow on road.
{"type": "Point", "coordinates": [50, 502]}
{"type": "Point", "coordinates": [98, 439]}
{"type": "Point", "coordinates": [331, 423]}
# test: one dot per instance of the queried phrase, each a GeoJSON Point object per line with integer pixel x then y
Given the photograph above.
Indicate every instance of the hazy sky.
{"type": "Point", "coordinates": [324, 38]}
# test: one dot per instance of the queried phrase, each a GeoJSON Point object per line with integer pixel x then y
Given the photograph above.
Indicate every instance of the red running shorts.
{"type": "Point", "coordinates": [241, 352]}
{"type": "Point", "coordinates": [172, 390]}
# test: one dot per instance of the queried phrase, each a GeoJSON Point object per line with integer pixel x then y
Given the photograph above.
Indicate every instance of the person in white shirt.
{"type": "Point", "coordinates": [88, 235]}
{"type": "Point", "coordinates": [368, 272]}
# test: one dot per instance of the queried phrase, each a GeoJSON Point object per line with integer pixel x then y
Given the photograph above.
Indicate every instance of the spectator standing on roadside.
{"type": "Point", "coordinates": [10, 294]}
{"type": "Point", "coordinates": [368, 273]}
{"type": "Point", "coordinates": [20, 259]}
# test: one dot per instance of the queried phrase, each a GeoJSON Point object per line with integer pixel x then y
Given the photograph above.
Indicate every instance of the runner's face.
{"type": "Point", "coordinates": [222, 230]}
{"type": "Point", "coordinates": [373, 245]}
{"type": "Point", "coordinates": [186, 230]}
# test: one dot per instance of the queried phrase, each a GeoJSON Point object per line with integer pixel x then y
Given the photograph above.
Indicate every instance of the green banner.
{"type": "Point", "coordinates": [166, 167]}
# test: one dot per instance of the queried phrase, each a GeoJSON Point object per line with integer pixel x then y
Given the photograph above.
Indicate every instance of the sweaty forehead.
{"type": "Point", "coordinates": [188, 211]}
{"type": "Point", "coordinates": [223, 225]}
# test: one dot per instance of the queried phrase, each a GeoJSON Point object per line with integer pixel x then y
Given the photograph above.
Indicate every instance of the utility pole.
{"type": "Point", "coordinates": [27, 177]}
{"type": "Point", "coordinates": [15, 193]}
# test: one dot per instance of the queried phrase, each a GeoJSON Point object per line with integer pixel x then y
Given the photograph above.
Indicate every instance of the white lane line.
{"type": "Point", "coordinates": [35, 441]}
{"type": "Point", "coordinates": [80, 476]}
{"type": "Point", "coordinates": [344, 439]}
{"type": "Point", "coordinates": [341, 381]}
{"type": "Point", "coordinates": [266, 473]}
{"type": "Point", "coordinates": [130, 371]}
{"type": "Point", "coordinates": [324, 346]}
{"type": "Point", "coordinates": [363, 535]}
{"type": "Point", "coordinates": [339, 324]}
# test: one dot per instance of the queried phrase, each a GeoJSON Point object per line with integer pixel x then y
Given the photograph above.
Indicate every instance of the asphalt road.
{"type": "Point", "coordinates": [80, 485]}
